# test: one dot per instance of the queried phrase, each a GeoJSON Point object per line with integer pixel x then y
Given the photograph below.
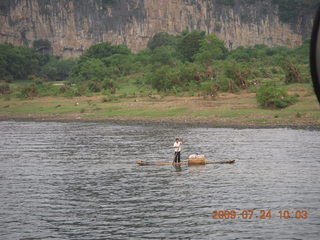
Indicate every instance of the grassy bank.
{"type": "Point", "coordinates": [227, 109]}
{"type": "Point", "coordinates": [189, 78]}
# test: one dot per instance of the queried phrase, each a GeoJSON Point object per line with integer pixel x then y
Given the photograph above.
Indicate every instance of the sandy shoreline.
{"type": "Point", "coordinates": [180, 121]}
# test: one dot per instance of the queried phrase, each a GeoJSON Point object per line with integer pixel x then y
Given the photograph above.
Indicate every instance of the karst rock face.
{"type": "Point", "coordinates": [72, 26]}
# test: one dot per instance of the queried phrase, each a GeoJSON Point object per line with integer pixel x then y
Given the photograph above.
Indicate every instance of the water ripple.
{"type": "Point", "coordinates": [80, 181]}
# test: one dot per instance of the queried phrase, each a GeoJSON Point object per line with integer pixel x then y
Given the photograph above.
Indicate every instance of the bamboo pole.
{"type": "Point", "coordinates": [144, 163]}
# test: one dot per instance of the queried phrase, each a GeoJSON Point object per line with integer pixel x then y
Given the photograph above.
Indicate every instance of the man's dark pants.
{"type": "Point", "coordinates": [177, 157]}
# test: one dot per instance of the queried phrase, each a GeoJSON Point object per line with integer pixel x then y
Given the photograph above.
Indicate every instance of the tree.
{"type": "Point", "coordinates": [250, 54]}
{"type": "Point", "coordinates": [18, 62]}
{"type": "Point", "coordinates": [238, 74]}
{"type": "Point", "coordinates": [119, 64]}
{"type": "Point", "coordinates": [164, 55]}
{"type": "Point", "coordinates": [43, 46]}
{"type": "Point", "coordinates": [190, 44]}
{"type": "Point", "coordinates": [291, 10]}
{"type": "Point", "coordinates": [90, 70]}
{"type": "Point", "coordinates": [163, 78]}
{"type": "Point", "coordinates": [211, 48]}
{"type": "Point", "coordinates": [161, 39]}
{"type": "Point", "coordinates": [105, 49]}
{"type": "Point", "coordinates": [57, 70]}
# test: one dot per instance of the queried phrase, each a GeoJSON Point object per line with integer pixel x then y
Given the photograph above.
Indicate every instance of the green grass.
{"type": "Point", "coordinates": [203, 114]}
{"type": "Point", "coordinates": [241, 107]}
{"type": "Point", "coordinates": [140, 112]}
{"type": "Point", "coordinates": [38, 108]}
{"type": "Point", "coordinates": [299, 87]}
{"type": "Point", "coordinates": [128, 86]}
{"type": "Point", "coordinates": [258, 121]}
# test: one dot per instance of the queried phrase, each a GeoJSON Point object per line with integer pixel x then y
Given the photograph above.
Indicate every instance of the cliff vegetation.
{"type": "Point", "coordinates": [191, 63]}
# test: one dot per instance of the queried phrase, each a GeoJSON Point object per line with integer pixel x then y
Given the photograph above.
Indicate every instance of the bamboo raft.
{"type": "Point", "coordinates": [144, 163]}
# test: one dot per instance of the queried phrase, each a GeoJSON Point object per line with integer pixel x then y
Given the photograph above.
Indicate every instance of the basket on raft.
{"type": "Point", "coordinates": [196, 159]}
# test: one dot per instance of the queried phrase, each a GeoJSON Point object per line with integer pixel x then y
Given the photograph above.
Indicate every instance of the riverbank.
{"type": "Point", "coordinates": [227, 109]}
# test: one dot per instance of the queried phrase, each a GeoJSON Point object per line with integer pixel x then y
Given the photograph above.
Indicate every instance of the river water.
{"type": "Point", "coordinates": [80, 181]}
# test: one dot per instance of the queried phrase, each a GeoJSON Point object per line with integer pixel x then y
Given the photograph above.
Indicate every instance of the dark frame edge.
{"type": "Point", "coordinates": [313, 55]}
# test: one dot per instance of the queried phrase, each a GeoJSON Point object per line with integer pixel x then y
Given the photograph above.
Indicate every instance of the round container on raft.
{"type": "Point", "coordinates": [197, 161]}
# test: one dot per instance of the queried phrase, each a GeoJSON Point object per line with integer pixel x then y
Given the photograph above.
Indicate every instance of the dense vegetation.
{"type": "Point", "coordinates": [20, 63]}
{"type": "Point", "coordinates": [291, 10]}
{"type": "Point", "coordinates": [191, 63]}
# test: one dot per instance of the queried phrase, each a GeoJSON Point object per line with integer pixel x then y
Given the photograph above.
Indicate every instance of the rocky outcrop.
{"type": "Point", "coordinates": [74, 25]}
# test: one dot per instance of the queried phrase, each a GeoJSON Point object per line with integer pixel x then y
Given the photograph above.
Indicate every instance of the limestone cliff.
{"type": "Point", "coordinates": [74, 25]}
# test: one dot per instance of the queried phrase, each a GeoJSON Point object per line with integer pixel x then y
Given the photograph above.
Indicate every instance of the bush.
{"type": "Point", "coordinates": [293, 74]}
{"type": "Point", "coordinates": [163, 79]}
{"type": "Point", "coordinates": [72, 92]}
{"type": "Point", "coordinates": [241, 54]}
{"type": "Point", "coordinates": [41, 44]}
{"type": "Point", "coordinates": [226, 84]}
{"type": "Point", "coordinates": [182, 77]}
{"type": "Point", "coordinates": [38, 88]}
{"type": "Point", "coordinates": [272, 96]}
{"type": "Point", "coordinates": [94, 86]}
{"type": "Point", "coordinates": [290, 10]}
{"type": "Point", "coordinates": [276, 70]}
{"type": "Point", "coordinates": [164, 55]}
{"type": "Point", "coordinates": [18, 62]}
{"type": "Point", "coordinates": [209, 89]}
{"type": "Point", "coordinates": [56, 70]}
{"type": "Point", "coordinates": [36, 80]}
{"type": "Point", "coordinates": [4, 89]}
{"type": "Point", "coordinates": [161, 39]}
{"type": "Point", "coordinates": [192, 73]}
{"type": "Point", "coordinates": [238, 74]}
{"type": "Point", "coordinates": [211, 48]}
{"type": "Point", "coordinates": [104, 49]}
{"type": "Point", "coordinates": [63, 89]}
{"type": "Point", "coordinates": [190, 45]}
{"type": "Point", "coordinates": [28, 91]}
{"type": "Point", "coordinates": [90, 70]}
{"type": "Point", "coordinates": [265, 73]}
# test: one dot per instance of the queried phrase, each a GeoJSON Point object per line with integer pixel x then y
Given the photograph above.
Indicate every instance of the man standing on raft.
{"type": "Point", "coordinates": [177, 149]}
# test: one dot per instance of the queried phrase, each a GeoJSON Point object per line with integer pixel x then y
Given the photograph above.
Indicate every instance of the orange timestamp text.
{"type": "Point", "coordinates": [259, 214]}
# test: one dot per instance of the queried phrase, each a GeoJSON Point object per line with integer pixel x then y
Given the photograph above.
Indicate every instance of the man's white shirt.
{"type": "Point", "coordinates": [177, 146]}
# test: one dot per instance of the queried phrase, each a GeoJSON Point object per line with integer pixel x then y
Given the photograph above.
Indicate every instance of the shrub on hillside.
{"type": "Point", "coordinates": [211, 48]}
{"type": "Point", "coordinates": [4, 89]}
{"type": "Point", "coordinates": [28, 91]}
{"type": "Point", "coordinates": [163, 79]}
{"type": "Point", "coordinates": [90, 70]}
{"type": "Point", "coordinates": [226, 84]}
{"type": "Point", "coordinates": [209, 89]}
{"type": "Point", "coordinates": [162, 39]}
{"type": "Point", "coordinates": [102, 50]}
{"type": "Point", "coordinates": [237, 73]}
{"type": "Point", "coordinates": [94, 86]}
{"type": "Point", "coordinates": [190, 44]}
{"type": "Point", "coordinates": [293, 74]}
{"type": "Point", "coordinates": [57, 70]}
{"type": "Point", "coordinates": [272, 96]}
{"type": "Point", "coordinates": [165, 55]}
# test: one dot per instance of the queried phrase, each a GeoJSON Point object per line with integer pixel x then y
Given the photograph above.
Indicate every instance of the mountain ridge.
{"type": "Point", "coordinates": [72, 26]}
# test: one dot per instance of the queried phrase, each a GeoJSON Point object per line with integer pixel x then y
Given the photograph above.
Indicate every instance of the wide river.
{"type": "Point", "coordinates": [81, 181]}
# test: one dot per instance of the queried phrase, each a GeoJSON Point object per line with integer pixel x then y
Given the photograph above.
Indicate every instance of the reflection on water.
{"type": "Point", "coordinates": [80, 181]}
{"type": "Point", "coordinates": [178, 168]}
